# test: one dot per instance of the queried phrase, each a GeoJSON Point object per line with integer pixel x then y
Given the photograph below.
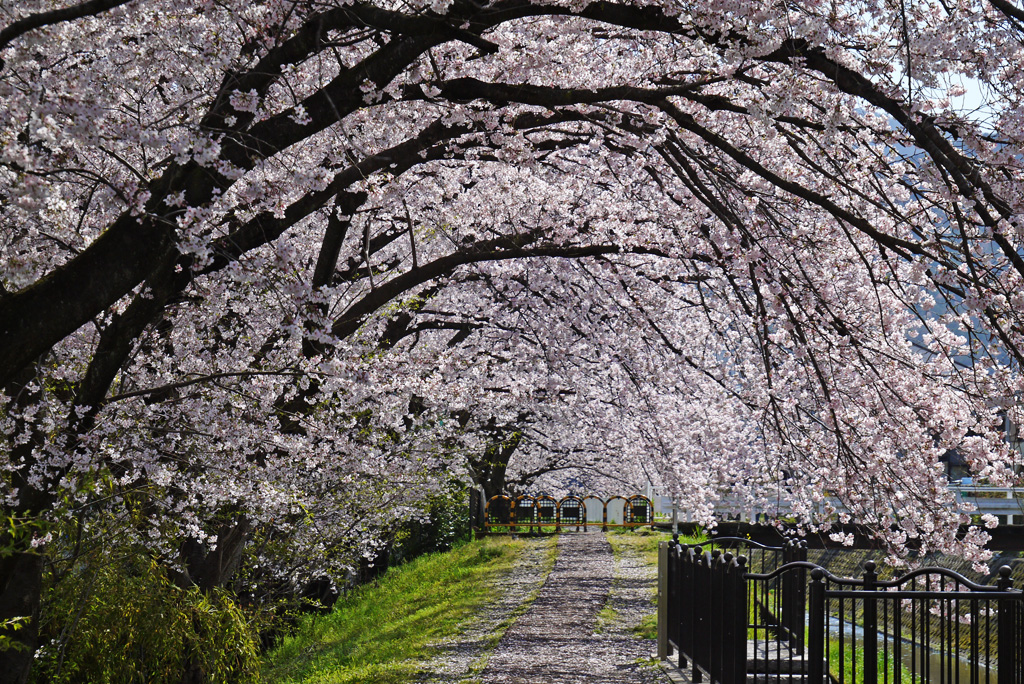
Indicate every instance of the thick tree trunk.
{"type": "Point", "coordinates": [488, 471]}
{"type": "Point", "coordinates": [493, 482]}
{"type": "Point", "coordinates": [213, 569]}
{"type": "Point", "coordinates": [21, 572]}
{"type": "Point", "coordinates": [21, 576]}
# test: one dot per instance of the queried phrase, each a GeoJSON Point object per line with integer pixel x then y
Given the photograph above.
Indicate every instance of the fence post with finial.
{"type": "Point", "coordinates": [816, 628]}
{"type": "Point", "coordinates": [870, 623]}
{"type": "Point", "coordinates": [1009, 614]}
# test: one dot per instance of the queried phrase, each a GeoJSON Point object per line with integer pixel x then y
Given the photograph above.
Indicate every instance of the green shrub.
{"type": "Point", "coordinates": [123, 621]}
{"type": "Point", "coordinates": [445, 526]}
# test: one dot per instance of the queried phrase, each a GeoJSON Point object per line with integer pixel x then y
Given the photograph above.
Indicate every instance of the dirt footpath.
{"type": "Point", "coordinates": [565, 637]}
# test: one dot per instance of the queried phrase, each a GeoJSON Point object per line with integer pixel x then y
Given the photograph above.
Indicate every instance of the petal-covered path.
{"type": "Point", "coordinates": [565, 637]}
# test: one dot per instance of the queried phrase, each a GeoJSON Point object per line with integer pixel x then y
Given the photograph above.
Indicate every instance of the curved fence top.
{"type": "Point", "coordinates": [946, 573]}
{"type": "Point", "coordinates": [871, 582]}
{"type": "Point", "coordinates": [722, 541]}
{"type": "Point", "coordinates": [574, 497]}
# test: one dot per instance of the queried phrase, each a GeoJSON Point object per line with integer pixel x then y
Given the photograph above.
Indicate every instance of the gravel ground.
{"type": "Point", "coordinates": [560, 639]}
{"type": "Point", "coordinates": [461, 659]}
{"type": "Point", "coordinates": [634, 587]}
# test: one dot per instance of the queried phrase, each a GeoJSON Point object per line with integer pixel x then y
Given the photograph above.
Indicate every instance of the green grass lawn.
{"type": "Point", "coordinates": [644, 540]}
{"type": "Point", "coordinates": [382, 632]}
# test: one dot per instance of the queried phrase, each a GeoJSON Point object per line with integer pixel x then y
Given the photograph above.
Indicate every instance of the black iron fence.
{"type": "Point", "coordinates": [768, 615]}
{"type": "Point", "coordinates": [707, 620]}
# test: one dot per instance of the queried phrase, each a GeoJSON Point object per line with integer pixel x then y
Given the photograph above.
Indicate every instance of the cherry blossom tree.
{"type": "Point", "coordinates": [263, 259]}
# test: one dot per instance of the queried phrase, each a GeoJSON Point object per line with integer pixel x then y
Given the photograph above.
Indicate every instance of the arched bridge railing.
{"type": "Point", "coordinates": [639, 510]}
{"type": "Point", "coordinates": [572, 511]}
{"type": "Point", "coordinates": [546, 513]}
{"type": "Point", "coordinates": [525, 512]}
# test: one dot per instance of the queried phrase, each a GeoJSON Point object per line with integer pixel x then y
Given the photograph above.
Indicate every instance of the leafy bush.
{"type": "Point", "coordinates": [446, 526]}
{"type": "Point", "coordinates": [122, 621]}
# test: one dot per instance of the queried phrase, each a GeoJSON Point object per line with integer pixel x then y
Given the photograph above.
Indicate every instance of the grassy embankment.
{"type": "Point", "coordinates": [383, 632]}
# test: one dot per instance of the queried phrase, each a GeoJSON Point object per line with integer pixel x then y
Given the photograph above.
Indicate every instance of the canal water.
{"type": "Point", "coordinates": [927, 665]}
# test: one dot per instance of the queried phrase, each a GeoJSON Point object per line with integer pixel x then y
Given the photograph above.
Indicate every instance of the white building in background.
{"type": "Point", "coordinates": [1007, 503]}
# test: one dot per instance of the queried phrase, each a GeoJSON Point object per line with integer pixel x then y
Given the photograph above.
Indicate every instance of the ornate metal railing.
{"type": "Point", "coordinates": [790, 620]}
{"type": "Point", "coordinates": [714, 614]}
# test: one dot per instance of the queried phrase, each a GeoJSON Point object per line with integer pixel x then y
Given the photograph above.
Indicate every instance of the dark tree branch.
{"type": "Point", "coordinates": [41, 19]}
{"type": "Point", "coordinates": [163, 389]}
{"type": "Point", "coordinates": [492, 250]}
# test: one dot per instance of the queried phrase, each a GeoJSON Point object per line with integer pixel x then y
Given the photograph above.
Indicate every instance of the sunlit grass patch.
{"type": "Point", "coordinates": [648, 627]}
{"type": "Point", "coordinates": [605, 618]}
{"type": "Point", "coordinates": [382, 632]}
{"type": "Point", "coordinates": [644, 541]}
